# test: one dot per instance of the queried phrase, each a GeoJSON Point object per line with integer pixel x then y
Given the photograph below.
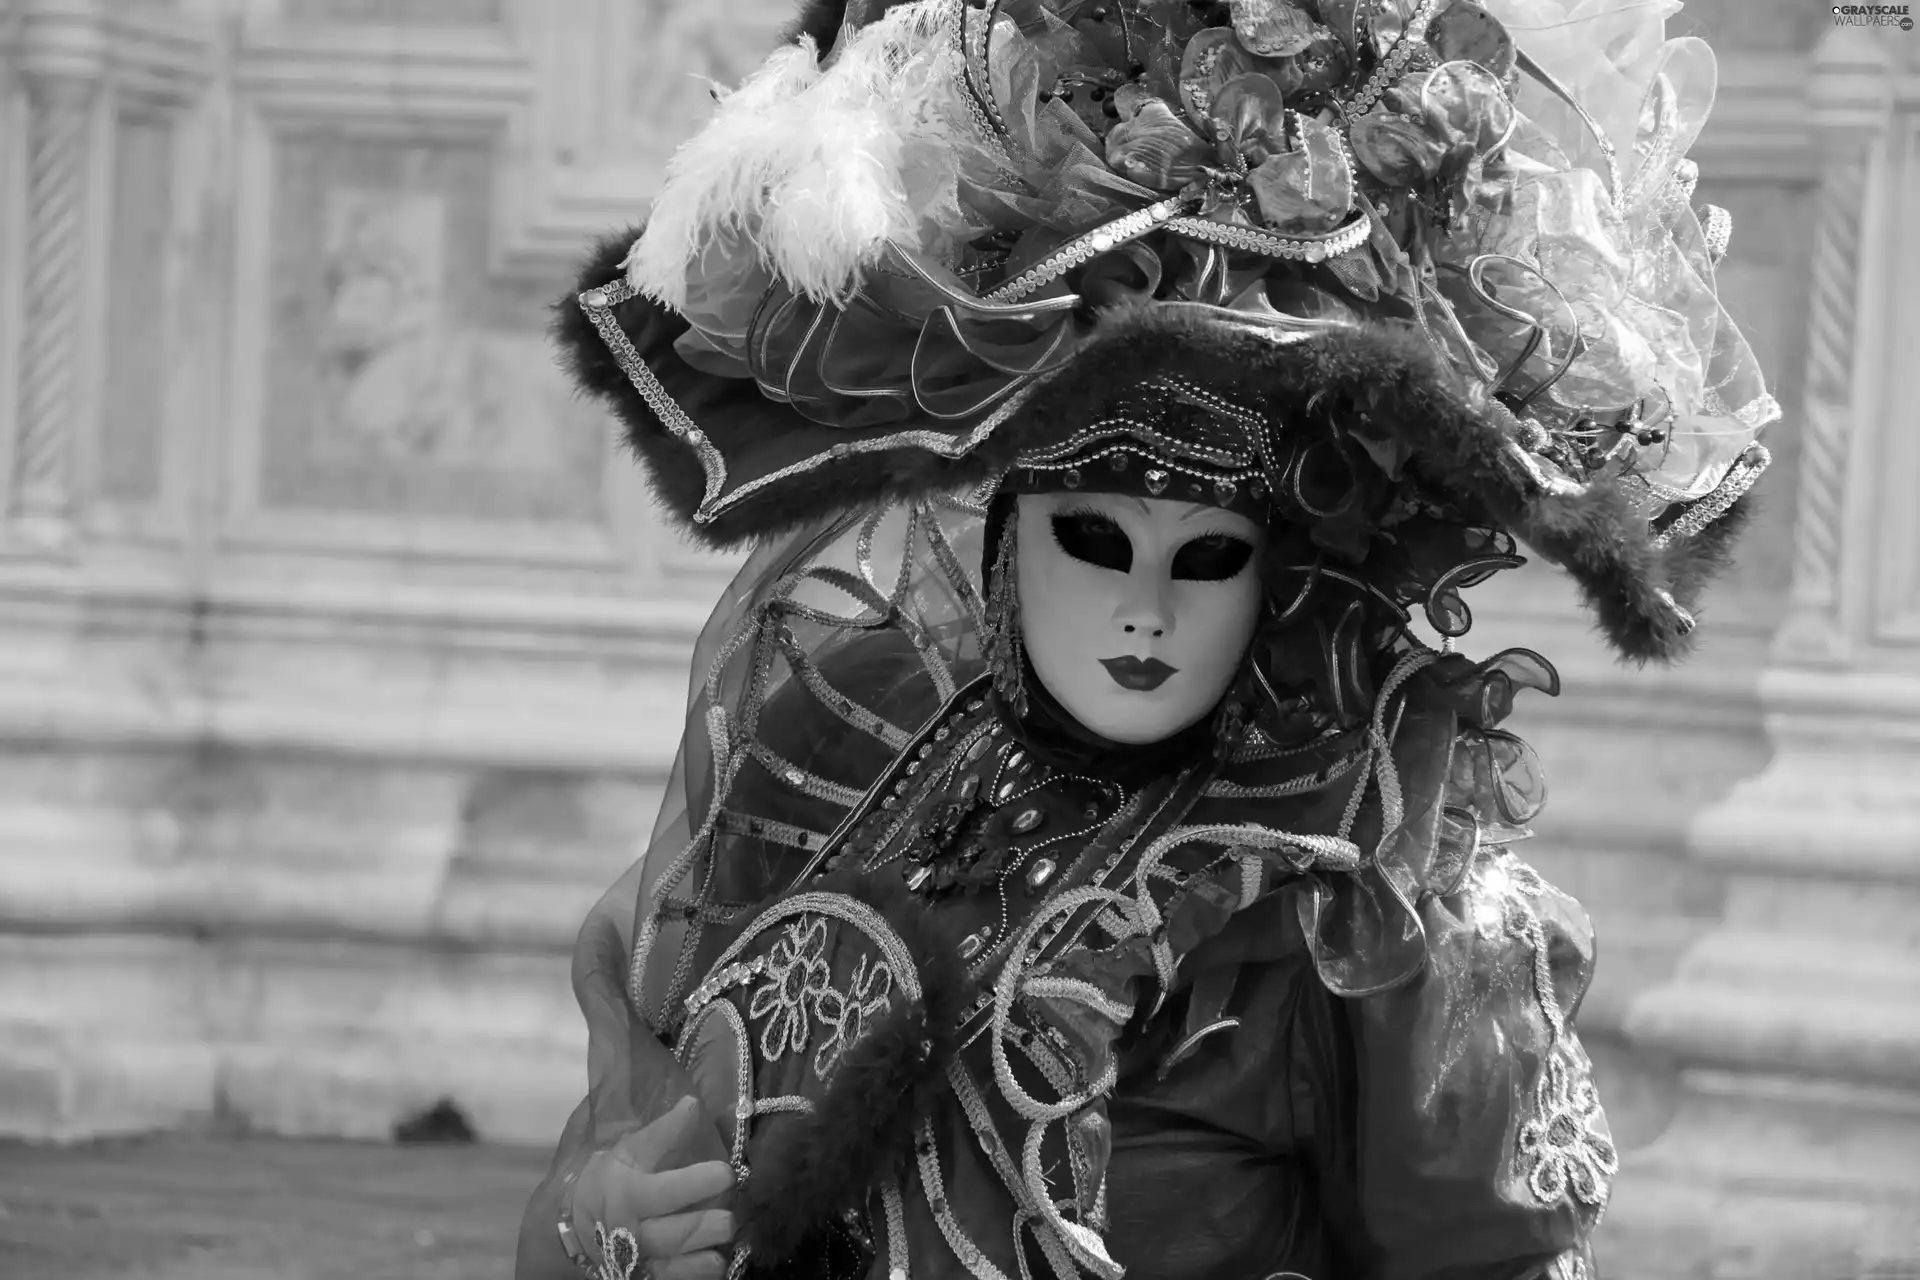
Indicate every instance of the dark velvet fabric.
{"type": "Point", "coordinates": [1369, 1138]}
{"type": "Point", "coordinates": [1240, 1142]}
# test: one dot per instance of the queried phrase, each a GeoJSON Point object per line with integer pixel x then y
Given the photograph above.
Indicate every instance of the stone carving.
{"type": "Point", "coordinates": [403, 379]}
{"type": "Point", "coordinates": [681, 53]}
{"type": "Point", "coordinates": [140, 357]}
{"type": "Point", "coordinates": [400, 378]}
{"type": "Point", "coordinates": [1830, 381]}
{"type": "Point", "coordinates": [445, 13]}
{"type": "Point", "coordinates": [58, 118]}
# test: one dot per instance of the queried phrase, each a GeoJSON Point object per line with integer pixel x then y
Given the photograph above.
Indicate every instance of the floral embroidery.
{"type": "Point", "coordinates": [799, 991]}
{"type": "Point", "coordinates": [619, 1253]}
{"type": "Point", "coordinates": [1566, 1142]}
{"type": "Point", "coordinates": [797, 973]}
{"type": "Point", "coordinates": [869, 991]}
{"type": "Point", "coordinates": [1564, 1148]}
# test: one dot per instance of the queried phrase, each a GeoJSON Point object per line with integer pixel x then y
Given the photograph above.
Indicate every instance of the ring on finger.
{"type": "Point", "coordinates": [576, 1252]}
{"type": "Point", "coordinates": [570, 1240]}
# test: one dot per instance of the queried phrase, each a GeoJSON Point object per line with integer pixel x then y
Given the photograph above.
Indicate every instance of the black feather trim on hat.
{"type": "Point", "coordinates": [1397, 418]}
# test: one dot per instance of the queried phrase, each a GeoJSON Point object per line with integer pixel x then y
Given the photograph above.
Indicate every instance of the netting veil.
{"type": "Point", "coordinates": [778, 639]}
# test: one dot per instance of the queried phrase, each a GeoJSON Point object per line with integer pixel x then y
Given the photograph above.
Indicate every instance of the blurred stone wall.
{"type": "Point", "coordinates": [342, 659]}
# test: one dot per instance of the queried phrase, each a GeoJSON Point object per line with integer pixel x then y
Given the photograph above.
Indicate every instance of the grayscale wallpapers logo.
{"type": "Point", "coordinates": [1873, 15]}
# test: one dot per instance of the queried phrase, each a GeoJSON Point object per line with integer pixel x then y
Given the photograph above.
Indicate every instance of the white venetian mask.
{"type": "Point", "coordinates": [1135, 612]}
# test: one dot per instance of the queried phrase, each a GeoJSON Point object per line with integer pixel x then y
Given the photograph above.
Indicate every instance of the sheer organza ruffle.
{"type": "Point", "coordinates": [1521, 181]}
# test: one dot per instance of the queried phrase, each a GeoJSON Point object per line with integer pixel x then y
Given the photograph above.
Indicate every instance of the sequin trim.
{"type": "Point", "coordinates": [1303, 785]}
{"type": "Point", "coordinates": [780, 833]}
{"type": "Point", "coordinates": [845, 708]}
{"type": "Point", "coordinates": [942, 444]}
{"type": "Point", "coordinates": [599, 305]}
{"type": "Point", "coordinates": [716, 502]}
{"type": "Point", "coordinates": [1716, 226]}
{"type": "Point", "coordinates": [1299, 248]}
{"type": "Point", "coordinates": [1080, 992]}
{"type": "Point", "coordinates": [1125, 435]}
{"type": "Point", "coordinates": [844, 909]}
{"type": "Point", "coordinates": [899, 1261]}
{"type": "Point", "coordinates": [969, 1254]}
{"type": "Point", "coordinates": [803, 781]}
{"type": "Point", "coordinates": [1084, 248]}
{"type": "Point", "coordinates": [743, 1105]}
{"type": "Point", "coordinates": [1088, 1249]}
{"type": "Point", "coordinates": [1741, 476]}
{"type": "Point", "coordinates": [1412, 38]}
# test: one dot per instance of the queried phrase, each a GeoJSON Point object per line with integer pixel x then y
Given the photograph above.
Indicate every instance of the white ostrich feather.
{"type": "Point", "coordinates": [818, 168]}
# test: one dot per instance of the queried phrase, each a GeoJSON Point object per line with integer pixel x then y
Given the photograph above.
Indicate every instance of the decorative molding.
{"type": "Point", "coordinates": [59, 121]}
{"type": "Point", "coordinates": [406, 80]}
{"type": "Point", "coordinates": [79, 64]}
{"type": "Point", "coordinates": [1841, 587]}
{"type": "Point", "coordinates": [1895, 481]}
{"type": "Point", "coordinates": [142, 52]}
{"type": "Point", "coordinates": [571, 172]}
{"type": "Point", "coordinates": [160, 58]}
{"type": "Point", "coordinates": [1759, 130]}
{"type": "Point", "coordinates": [1792, 1021]}
{"type": "Point", "coordinates": [442, 676]}
{"type": "Point", "coordinates": [63, 39]}
{"type": "Point", "coordinates": [589, 156]}
{"type": "Point", "coordinates": [1832, 384]}
{"type": "Point", "coordinates": [13, 128]}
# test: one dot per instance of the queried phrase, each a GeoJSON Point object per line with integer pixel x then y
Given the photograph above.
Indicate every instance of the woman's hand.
{"type": "Point", "coordinates": [626, 1186]}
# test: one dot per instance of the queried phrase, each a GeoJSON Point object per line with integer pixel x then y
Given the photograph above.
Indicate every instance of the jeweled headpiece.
{"type": "Point", "coordinates": [1363, 261]}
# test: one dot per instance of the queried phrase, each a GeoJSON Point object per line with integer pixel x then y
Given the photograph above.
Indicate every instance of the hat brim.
{"type": "Point", "coordinates": [733, 466]}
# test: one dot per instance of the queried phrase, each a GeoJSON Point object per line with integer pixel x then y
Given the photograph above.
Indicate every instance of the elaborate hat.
{"type": "Point", "coordinates": [1398, 273]}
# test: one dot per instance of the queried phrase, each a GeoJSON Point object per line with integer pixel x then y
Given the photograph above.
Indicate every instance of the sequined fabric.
{"type": "Point", "coordinates": [1293, 1003]}
{"type": "Point", "coordinates": [1511, 176]}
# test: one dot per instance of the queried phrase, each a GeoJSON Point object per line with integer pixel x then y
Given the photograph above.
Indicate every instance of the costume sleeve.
{"type": "Point", "coordinates": [633, 1075]}
{"type": "Point", "coordinates": [1481, 1149]}
{"type": "Point", "coordinates": [632, 1079]}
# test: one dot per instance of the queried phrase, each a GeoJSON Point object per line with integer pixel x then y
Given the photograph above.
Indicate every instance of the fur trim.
{"type": "Point", "coordinates": [754, 434]}
{"type": "Point", "coordinates": [678, 481]}
{"type": "Point", "coordinates": [1639, 592]}
{"type": "Point", "coordinates": [807, 1169]}
{"type": "Point", "coordinates": [1600, 539]}
{"type": "Point", "coordinates": [1698, 560]}
{"type": "Point", "coordinates": [800, 172]}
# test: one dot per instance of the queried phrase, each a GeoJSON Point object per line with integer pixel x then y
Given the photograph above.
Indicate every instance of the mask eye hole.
{"type": "Point", "coordinates": [1217, 557]}
{"type": "Point", "coordinates": [1093, 539]}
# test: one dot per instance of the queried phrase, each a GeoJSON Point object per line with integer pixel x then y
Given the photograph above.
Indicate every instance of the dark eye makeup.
{"type": "Point", "coordinates": [1098, 540]}
{"type": "Point", "coordinates": [1213, 558]}
{"type": "Point", "coordinates": [1093, 538]}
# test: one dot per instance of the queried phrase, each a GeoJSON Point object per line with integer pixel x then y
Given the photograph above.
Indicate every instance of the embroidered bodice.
{"type": "Point", "coordinates": [1162, 1029]}
{"type": "Point", "coordinates": [964, 1001]}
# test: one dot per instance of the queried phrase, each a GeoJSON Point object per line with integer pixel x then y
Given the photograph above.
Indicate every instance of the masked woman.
{"type": "Point", "coordinates": [1088, 854]}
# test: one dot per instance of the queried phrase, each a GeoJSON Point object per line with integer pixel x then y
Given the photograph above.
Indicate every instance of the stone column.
{"type": "Point", "coordinates": [62, 60]}
{"type": "Point", "coordinates": [1794, 1023]}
